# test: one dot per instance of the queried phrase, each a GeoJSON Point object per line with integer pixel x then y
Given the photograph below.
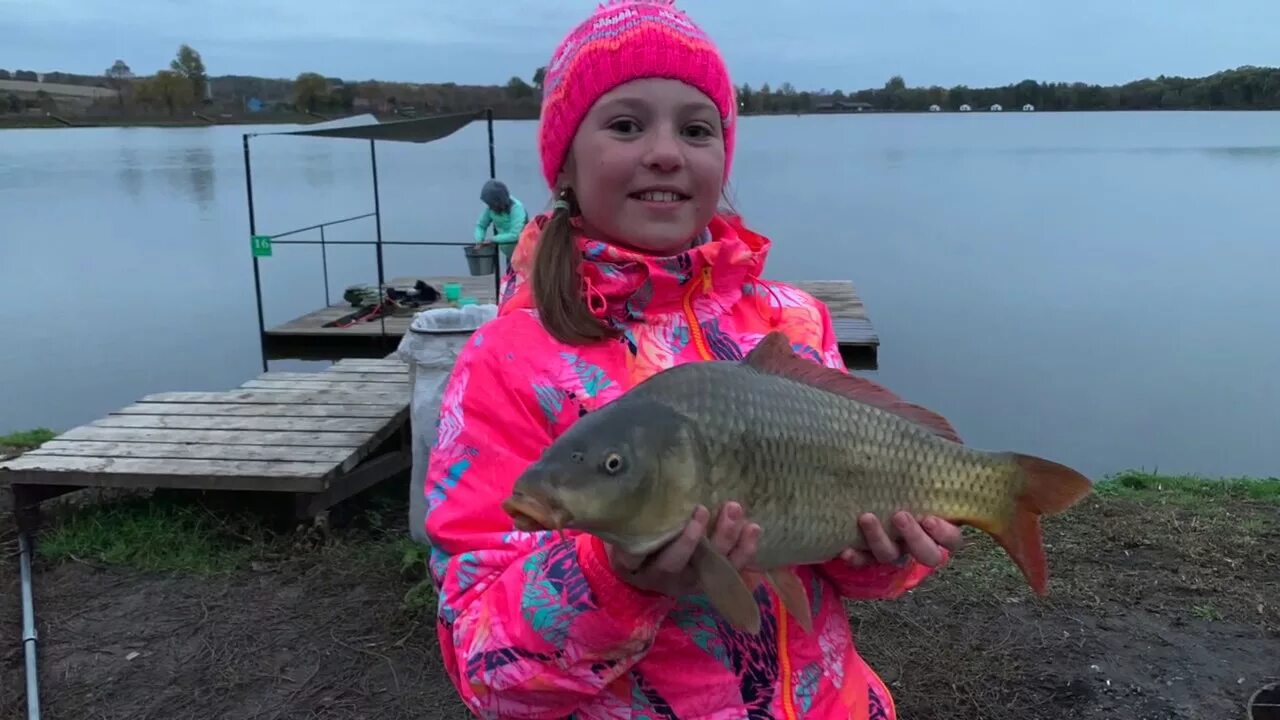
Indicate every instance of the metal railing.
{"type": "Point", "coordinates": [324, 253]}
{"type": "Point", "coordinates": [323, 242]}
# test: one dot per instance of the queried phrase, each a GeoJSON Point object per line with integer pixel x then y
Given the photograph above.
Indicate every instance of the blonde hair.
{"type": "Point", "coordinates": [557, 284]}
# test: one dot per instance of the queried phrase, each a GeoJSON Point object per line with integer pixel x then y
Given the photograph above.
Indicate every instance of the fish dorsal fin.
{"type": "Point", "coordinates": [774, 356]}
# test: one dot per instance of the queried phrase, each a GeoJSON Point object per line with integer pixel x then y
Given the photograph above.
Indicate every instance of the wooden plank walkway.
{"type": "Point", "coordinates": [312, 335]}
{"type": "Point", "coordinates": [324, 436]}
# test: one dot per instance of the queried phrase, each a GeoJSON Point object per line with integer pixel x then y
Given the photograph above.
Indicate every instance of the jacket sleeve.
{"type": "Point", "coordinates": [875, 581]}
{"type": "Point", "coordinates": [530, 625]}
{"type": "Point", "coordinates": [482, 225]}
{"type": "Point", "coordinates": [518, 220]}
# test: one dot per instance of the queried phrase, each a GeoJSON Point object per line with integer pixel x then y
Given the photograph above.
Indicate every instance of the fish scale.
{"type": "Point", "coordinates": [805, 449]}
{"type": "Point", "coordinates": [780, 452]}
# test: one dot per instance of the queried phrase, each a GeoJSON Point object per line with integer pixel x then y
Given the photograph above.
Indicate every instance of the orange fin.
{"type": "Point", "coordinates": [1048, 488]}
{"type": "Point", "coordinates": [773, 355]}
{"type": "Point", "coordinates": [790, 590]}
{"type": "Point", "coordinates": [1051, 487]}
{"type": "Point", "coordinates": [726, 589]}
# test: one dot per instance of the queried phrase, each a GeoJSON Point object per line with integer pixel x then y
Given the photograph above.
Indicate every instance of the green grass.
{"type": "Point", "coordinates": [1141, 485]}
{"type": "Point", "coordinates": [151, 534]}
{"type": "Point", "coordinates": [27, 439]}
{"type": "Point", "coordinates": [177, 535]}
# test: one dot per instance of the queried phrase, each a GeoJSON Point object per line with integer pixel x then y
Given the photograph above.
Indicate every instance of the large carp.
{"type": "Point", "coordinates": [805, 449]}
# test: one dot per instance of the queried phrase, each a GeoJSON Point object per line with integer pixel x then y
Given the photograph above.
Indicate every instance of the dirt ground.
{"type": "Point", "coordinates": [1158, 610]}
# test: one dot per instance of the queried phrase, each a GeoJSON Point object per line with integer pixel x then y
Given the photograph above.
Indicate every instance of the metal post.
{"type": "Point", "coordinates": [493, 173]}
{"type": "Point", "coordinates": [324, 261]}
{"type": "Point", "coordinates": [493, 166]}
{"type": "Point", "coordinates": [257, 278]}
{"type": "Point", "coordinates": [497, 277]}
{"type": "Point", "coordinates": [28, 624]}
{"type": "Point", "coordinates": [377, 219]}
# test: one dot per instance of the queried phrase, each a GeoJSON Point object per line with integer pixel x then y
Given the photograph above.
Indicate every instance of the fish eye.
{"type": "Point", "coordinates": [612, 463]}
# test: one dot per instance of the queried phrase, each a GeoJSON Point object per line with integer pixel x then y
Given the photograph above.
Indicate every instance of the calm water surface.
{"type": "Point", "coordinates": [1098, 288]}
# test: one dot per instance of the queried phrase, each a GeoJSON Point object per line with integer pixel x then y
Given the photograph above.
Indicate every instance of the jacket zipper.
{"type": "Point", "coordinates": [784, 663]}
{"type": "Point", "coordinates": [700, 342]}
{"type": "Point", "coordinates": [695, 329]}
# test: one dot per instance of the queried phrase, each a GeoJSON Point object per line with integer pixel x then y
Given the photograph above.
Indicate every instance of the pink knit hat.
{"type": "Point", "coordinates": [624, 40]}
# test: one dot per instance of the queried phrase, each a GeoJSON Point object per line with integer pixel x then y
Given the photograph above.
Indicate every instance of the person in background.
{"type": "Point", "coordinates": [505, 213]}
{"type": "Point", "coordinates": [633, 271]}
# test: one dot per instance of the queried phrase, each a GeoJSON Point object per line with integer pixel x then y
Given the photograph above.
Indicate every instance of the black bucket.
{"type": "Point", "coordinates": [482, 259]}
{"type": "Point", "coordinates": [1265, 703]}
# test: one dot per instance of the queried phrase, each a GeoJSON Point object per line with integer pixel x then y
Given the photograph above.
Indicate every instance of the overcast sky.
{"type": "Point", "coordinates": [814, 44]}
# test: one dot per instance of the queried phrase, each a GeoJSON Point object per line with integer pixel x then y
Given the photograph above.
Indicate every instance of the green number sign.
{"type": "Point", "coordinates": [261, 245]}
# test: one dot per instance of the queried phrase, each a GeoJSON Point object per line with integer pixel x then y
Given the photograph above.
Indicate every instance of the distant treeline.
{"type": "Point", "coordinates": [185, 87]}
{"type": "Point", "coordinates": [1245, 88]}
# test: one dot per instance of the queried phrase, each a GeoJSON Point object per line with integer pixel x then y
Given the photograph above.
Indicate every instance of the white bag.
{"type": "Point", "coordinates": [430, 349]}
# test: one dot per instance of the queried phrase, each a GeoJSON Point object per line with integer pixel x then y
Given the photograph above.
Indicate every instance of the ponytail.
{"type": "Point", "coordinates": [557, 283]}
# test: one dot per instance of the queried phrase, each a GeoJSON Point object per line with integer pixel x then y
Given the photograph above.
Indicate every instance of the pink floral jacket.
{"type": "Point", "coordinates": [532, 626]}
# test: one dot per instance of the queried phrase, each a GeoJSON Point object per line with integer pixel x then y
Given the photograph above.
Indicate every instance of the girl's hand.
{"type": "Point", "coordinates": [667, 571]}
{"type": "Point", "coordinates": [922, 540]}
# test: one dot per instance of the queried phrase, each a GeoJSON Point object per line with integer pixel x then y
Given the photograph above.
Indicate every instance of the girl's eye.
{"type": "Point", "coordinates": [698, 130]}
{"type": "Point", "coordinates": [624, 126]}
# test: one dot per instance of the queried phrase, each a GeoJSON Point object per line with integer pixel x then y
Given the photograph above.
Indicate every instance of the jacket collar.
{"type": "Point", "coordinates": [623, 285]}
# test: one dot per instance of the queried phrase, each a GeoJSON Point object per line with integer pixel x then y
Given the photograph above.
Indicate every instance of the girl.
{"type": "Point", "coordinates": [635, 270]}
{"type": "Point", "coordinates": [505, 213]}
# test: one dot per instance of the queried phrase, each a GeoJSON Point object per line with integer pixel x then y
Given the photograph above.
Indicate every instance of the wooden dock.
{"type": "Point", "coordinates": [322, 436]}
{"type": "Point", "coordinates": [314, 336]}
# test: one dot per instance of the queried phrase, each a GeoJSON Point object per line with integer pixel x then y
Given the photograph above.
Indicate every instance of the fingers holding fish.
{"type": "Point", "coordinates": [671, 570]}
{"type": "Point", "coordinates": [856, 557]}
{"type": "Point", "coordinates": [924, 541]}
{"type": "Point", "coordinates": [734, 537]}
{"type": "Point", "coordinates": [674, 558]}
{"type": "Point", "coordinates": [882, 548]}
{"type": "Point", "coordinates": [919, 544]}
{"type": "Point", "coordinates": [946, 534]}
{"type": "Point", "coordinates": [665, 571]}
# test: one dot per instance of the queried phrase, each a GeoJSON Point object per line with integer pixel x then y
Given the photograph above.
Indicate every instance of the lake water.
{"type": "Point", "coordinates": [1097, 288]}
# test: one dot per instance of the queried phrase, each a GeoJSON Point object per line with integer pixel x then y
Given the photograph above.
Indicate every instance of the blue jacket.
{"type": "Point", "coordinates": [506, 226]}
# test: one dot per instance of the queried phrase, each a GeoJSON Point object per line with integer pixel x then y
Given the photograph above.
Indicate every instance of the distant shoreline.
{"type": "Point", "coordinates": [28, 123]}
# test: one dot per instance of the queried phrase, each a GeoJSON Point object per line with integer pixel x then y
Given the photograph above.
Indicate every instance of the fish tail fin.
{"type": "Point", "coordinates": [1047, 488]}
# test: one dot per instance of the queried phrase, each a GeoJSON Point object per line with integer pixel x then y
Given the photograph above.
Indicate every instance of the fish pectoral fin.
{"type": "Point", "coordinates": [752, 578]}
{"type": "Point", "coordinates": [790, 590]}
{"type": "Point", "coordinates": [726, 589]}
{"type": "Point", "coordinates": [773, 355]}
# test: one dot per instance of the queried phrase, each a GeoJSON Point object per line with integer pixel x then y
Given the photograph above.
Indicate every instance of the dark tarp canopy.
{"type": "Point", "coordinates": [418, 130]}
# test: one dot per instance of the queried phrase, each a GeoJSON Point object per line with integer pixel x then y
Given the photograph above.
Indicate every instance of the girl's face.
{"type": "Point", "coordinates": [647, 165]}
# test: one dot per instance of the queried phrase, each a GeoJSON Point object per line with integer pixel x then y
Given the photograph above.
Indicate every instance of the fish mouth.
{"type": "Point", "coordinates": [530, 514]}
